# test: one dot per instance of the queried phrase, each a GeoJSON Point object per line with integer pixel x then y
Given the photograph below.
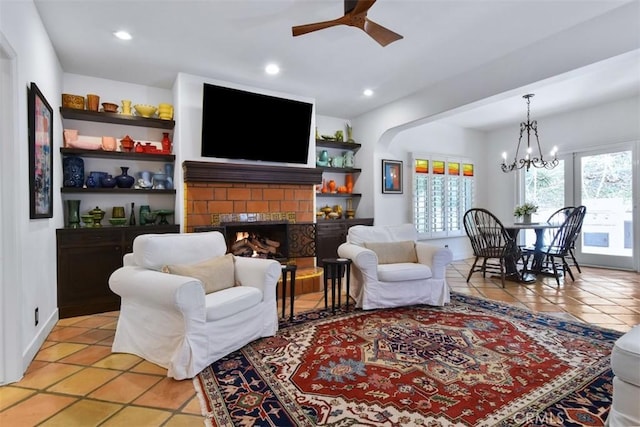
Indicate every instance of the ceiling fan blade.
{"type": "Point", "coordinates": [355, 7]}
{"type": "Point", "coordinates": [382, 35]}
{"type": "Point", "coordinates": [299, 30]}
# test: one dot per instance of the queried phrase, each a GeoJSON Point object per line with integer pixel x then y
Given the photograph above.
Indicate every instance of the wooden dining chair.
{"type": "Point", "coordinates": [492, 245]}
{"type": "Point", "coordinates": [557, 252]}
{"type": "Point", "coordinates": [558, 217]}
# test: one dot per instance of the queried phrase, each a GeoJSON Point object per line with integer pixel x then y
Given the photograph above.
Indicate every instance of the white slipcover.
{"type": "Point", "coordinates": [167, 319]}
{"type": "Point", "coordinates": [376, 285]}
{"type": "Point", "coordinates": [625, 363]}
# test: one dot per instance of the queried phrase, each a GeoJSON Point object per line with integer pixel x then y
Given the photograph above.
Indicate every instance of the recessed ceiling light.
{"type": "Point", "coordinates": [122, 35]}
{"type": "Point", "coordinates": [367, 92]}
{"type": "Point", "coordinates": [272, 69]}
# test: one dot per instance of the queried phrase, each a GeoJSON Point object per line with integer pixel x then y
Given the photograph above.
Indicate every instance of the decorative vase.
{"type": "Point", "coordinates": [526, 218]}
{"type": "Point", "coordinates": [144, 179]}
{"type": "Point", "coordinates": [73, 171]}
{"type": "Point", "coordinates": [73, 213]}
{"type": "Point", "coordinates": [348, 182]}
{"type": "Point", "coordinates": [144, 209]}
{"type": "Point", "coordinates": [349, 133]}
{"type": "Point", "coordinates": [323, 158]}
{"type": "Point", "coordinates": [108, 181]}
{"type": "Point", "coordinates": [332, 186]}
{"type": "Point", "coordinates": [124, 180]}
{"type": "Point", "coordinates": [166, 143]}
{"type": "Point", "coordinates": [132, 216]}
{"type": "Point", "coordinates": [348, 159]}
{"type": "Point", "coordinates": [126, 107]}
{"type": "Point", "coordinates": [168, 170]}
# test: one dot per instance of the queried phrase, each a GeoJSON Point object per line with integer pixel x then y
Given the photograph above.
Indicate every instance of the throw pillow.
{"type": "Point", "coordinates": [215, 274]}
{"type": "Point", "coordinates": [393, 252]}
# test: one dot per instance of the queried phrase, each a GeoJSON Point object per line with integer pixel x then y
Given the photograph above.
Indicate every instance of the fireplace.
{"type": "Point", "coordinates": [226, 193]}
{"type": "Point", "coordinates": [265, 239]}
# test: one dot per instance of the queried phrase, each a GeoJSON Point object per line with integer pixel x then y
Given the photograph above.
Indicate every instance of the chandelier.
{"type": "Point", "coordinates": [529, 158]}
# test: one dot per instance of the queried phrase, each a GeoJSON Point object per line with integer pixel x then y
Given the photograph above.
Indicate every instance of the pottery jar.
{"type": "Point", "coordinates": [117, 212]}
{"type": "Point", "coordinates": [108, 143]}
{"type": "Point", "coordinates": [127, 143]}
{"type": "Point", "coordinates": [93, 101]}
{"type": "Point", "coordinates": [332, 186]}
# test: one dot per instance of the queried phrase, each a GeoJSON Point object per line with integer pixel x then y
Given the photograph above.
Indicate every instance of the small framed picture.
{"type": "Point", "coordinates": [392, 176]}
{"type": "Point", "coordinates": [40, 122]}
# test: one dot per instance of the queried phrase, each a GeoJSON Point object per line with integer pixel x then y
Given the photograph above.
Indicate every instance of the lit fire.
{"type": "Point", "coordinates": [245, 235]}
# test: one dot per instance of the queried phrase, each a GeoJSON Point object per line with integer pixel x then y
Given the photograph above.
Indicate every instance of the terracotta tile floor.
{"type": "Point", "coordinates": [76, 381]}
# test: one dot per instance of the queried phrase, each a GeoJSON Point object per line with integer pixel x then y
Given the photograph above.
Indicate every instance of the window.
{"type": "Point", "coordinates": [443, 190]}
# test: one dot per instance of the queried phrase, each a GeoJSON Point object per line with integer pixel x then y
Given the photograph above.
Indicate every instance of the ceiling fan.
{"type": "Point", "coordinates": [355, 15]}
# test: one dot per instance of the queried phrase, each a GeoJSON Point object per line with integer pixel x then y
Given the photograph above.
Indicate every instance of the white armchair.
{"type": "Point", "coordinates": [170, 320]}
{"type": "Point", "coordinates": [392, 269]}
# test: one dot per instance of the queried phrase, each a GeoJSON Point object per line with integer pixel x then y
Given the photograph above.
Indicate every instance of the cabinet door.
{"type": "Point", "coordinates": [85, 263]}
{"type": "Point", "coordinates": [329, 236]}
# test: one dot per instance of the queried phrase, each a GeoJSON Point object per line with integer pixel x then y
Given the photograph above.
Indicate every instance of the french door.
{"type": "Point", "coordinates": [606, 182]}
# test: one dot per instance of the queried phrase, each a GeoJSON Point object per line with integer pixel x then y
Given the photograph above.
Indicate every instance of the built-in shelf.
{"type": "Point", "coordinates": [116, 190]}
{"type": "Point", "coordinates": [345, 195]}
{"type": "Point", "coordinates": [353, 146]}
{"type": "Point", "coordinates": [339, 170]}
{"type": "Point", "coordinates": [118, 155]}
{"type": "Point", "coordinates": [116, 118]}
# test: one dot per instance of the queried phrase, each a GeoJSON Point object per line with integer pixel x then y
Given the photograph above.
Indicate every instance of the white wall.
{"type": "Point", "coordinates": [34, 256]}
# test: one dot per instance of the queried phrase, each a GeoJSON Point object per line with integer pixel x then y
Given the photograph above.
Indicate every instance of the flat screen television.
{"type": "Point", "coordinates": [238, 124]}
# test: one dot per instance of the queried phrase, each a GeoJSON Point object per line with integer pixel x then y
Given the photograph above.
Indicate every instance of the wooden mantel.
{"type": "Point", "coordinates": [233, 172]}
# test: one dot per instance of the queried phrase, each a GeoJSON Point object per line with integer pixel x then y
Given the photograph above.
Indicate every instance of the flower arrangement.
{"type": "Point", "coordinates": [525, 209]}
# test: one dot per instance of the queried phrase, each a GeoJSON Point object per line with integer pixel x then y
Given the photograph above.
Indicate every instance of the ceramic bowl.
{"type": "Point", "coordinates": [87, 219]}
{"type": "Point", "coordinates": [109, 107]}
{"type": "Point", "coordinates": [118, 221]}
{"type": "Point", "coordinates": [145, 110]}
{"type": "Point", "coordinates": [150, 217]}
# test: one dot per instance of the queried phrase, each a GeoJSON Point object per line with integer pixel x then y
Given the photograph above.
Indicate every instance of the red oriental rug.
{"type": "Point", "coordinates": [472, 363]}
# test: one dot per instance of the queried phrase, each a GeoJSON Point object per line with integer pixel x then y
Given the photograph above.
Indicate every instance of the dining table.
{"type": "Point", "coordinates": [537, 264]}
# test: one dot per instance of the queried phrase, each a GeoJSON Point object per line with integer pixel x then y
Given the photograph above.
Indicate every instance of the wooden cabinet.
{"type": "Point", "coordinates": [86, 259]}
{"type": "Point", "coordinates": [332, 233]}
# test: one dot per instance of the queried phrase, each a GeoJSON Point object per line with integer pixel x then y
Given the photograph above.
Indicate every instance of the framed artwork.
{"type": "Point", "coordinates": [40, 154]}
{"type": "Point", "coordinates": [392, 176]}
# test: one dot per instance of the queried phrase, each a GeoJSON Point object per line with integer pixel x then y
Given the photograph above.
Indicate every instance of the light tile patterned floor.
{"type": "Point", "coordinates": [76, 381]}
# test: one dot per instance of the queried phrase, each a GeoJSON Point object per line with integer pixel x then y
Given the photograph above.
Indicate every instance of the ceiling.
{"type": "Point", "coordinates": [233, 40]}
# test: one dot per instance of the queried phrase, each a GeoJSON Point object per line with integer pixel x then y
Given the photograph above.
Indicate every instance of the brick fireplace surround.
{"type": "Point", "coordinates": [225, 188]}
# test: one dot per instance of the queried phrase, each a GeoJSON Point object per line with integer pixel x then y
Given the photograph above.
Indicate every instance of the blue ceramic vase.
{"type": "Point", "coordinates": [73, 171]}
{"type": "Point", "coordinates": [125, 180]}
